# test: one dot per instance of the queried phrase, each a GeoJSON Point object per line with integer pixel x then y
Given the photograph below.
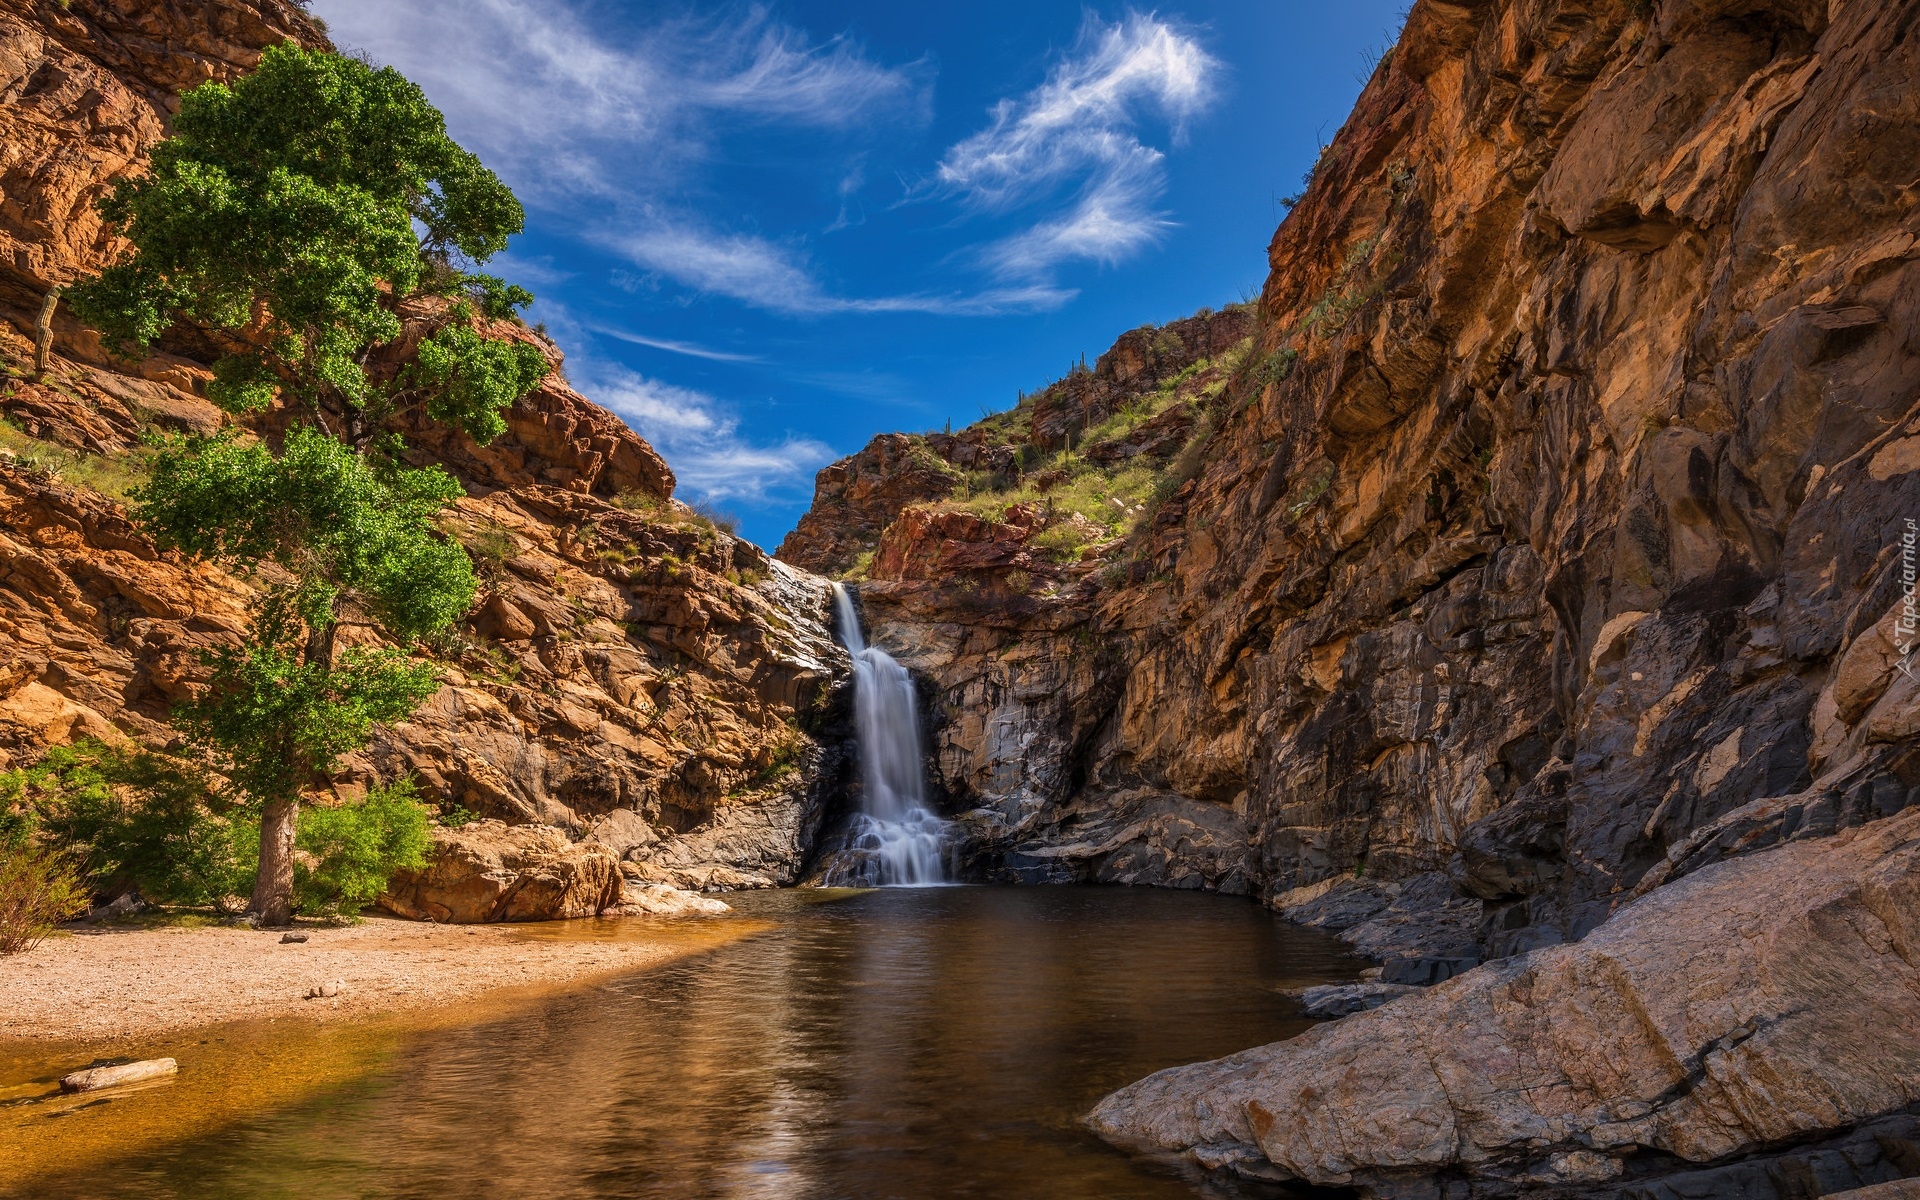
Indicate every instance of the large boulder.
{"type": "Point", "coordinates": [1760, 1001]}
{"type": "Point", "coordinates": [491, 871]}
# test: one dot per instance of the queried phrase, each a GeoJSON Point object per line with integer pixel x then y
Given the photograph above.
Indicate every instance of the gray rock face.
{"type": "Point", "coordinates": [1752, 1003]}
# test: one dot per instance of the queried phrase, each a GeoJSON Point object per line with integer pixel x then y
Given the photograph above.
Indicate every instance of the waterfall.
{"type": "Point", "coordinates": [896, 839]}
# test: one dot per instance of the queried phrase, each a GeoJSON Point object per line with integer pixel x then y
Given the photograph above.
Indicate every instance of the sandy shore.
{"type": "Point", "coordinates": [137, 983]}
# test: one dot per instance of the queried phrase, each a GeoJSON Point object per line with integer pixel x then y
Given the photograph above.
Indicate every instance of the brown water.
{"type": "Point", "coordinates": [917, 1044]}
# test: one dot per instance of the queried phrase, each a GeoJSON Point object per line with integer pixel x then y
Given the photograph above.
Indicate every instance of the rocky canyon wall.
{"type": "Point", "coordinates": [1559, 507]}
{"type": "Point", "coordinates": [633, 675]}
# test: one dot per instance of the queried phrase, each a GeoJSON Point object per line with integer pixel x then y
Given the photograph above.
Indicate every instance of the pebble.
{"type": "Point", "coordinates": [324, 991]}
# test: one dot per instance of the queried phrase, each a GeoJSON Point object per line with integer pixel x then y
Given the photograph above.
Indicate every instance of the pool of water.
{"type": "Point", "coordinates": [910, 1043]}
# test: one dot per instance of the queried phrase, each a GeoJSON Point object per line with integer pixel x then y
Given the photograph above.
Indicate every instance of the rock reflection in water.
{"type": "Point", "coordinates": [896, 1043]}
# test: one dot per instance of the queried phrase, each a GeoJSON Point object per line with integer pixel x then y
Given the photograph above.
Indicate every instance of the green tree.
{"type": "Point", "coordinates": [291, 208]}
{"type": "Point", "coordinates": [287, 216]}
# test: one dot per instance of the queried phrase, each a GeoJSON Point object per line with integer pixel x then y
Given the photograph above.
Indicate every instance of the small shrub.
{"type": "Point", "coordinates": [1062, 542]}
{"type": "Point", "coordinates": [861, 565]}
{"type": "Point", "coordinates": [126, 815]}
{"type": "Point", "coordinates": [725, 522]}
{"type": "Point", "coordinates": [640, 502]}
{"type": "Point", "coordinates": [38, 890]}
{"type": "Point", "coordinates": [457, 816]}
{"type": "Point", "coordinates": [490, 549]}
{"type": "Point", "coordinates": [353, 850]}
{"type": "Point", "coordinates": [114, 476]}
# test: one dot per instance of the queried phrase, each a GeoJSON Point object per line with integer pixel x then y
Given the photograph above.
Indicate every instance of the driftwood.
{"type": "Point", "coordinates": [105, 1077]}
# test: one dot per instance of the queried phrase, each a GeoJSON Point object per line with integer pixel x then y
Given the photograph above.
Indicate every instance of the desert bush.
{"type": "Point", "coordinates": [39, 889]}
{"type": "Point", "coordinates": [490, 548]}
{"type": "Point", "coordinates": [125, 815]}
{"type": "Point", "coordinates": [715, 518]}
{"type": "Point", "coordinates": [352, 851]}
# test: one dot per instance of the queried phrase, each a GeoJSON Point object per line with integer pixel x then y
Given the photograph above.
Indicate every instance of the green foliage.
{"type": "Point", "coordinates": [1140, 409]}
{"type": "Point", "coordinates": [490, 548]}
{"type": "Point", "coordinates": [353, 850]}
{"type": "Point", "coordinates": [497, 298]}
{"type": "Point", "coordinates": [287, 204]}
{"type": "Point", "coordinates": [296, 206]}
{"type": "Point", "coordinates": [129, 815]}
{"type": "Point", "coordinates": [1274, 368]}
{"type": "Point", "coordinates": [1352, 291]}
{"type": "Point", "coordinates": [17, 824]}
{"type": "Point", "coordinates": [862, 563]}
{"type": "Point", "coordinates": [272, 716]}
{"type": "Point", "coordinates": [38, 890]}
{"type": "Point", "coordinates": [242, 383]}
{"type": "Point", "coordinates": [353, 530]}
{"type": "Point", "coordinates": [472, 379]}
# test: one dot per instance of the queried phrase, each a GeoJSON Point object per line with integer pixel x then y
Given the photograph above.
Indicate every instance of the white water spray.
{"type": "Point", "coordinates": [895, 832]}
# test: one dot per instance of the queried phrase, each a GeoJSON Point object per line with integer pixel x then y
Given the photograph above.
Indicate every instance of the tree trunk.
{"type": "Point", "coordinates": [273, 887]}
{"type": "Point", "coordinates": [319, 648]}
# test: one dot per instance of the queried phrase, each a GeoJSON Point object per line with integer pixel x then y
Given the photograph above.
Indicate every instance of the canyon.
{"type": "Point", "coordinates": [1520, 586]}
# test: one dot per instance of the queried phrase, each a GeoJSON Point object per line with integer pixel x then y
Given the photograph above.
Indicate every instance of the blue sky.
{"type": "Point", "coordinates": [765, 233]}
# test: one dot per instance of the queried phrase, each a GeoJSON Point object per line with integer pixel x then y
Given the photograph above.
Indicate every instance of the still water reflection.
{"type": "Point", "coordinates": [898, 1043]}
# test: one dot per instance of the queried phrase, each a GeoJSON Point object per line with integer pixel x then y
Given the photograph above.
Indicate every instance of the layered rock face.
{"type": "Point", "coordinates": [632, 675]}
{"type": "Point", "coordinates": [1551, 546]}
{"type": "Point", "coordinates": [1559, 508]}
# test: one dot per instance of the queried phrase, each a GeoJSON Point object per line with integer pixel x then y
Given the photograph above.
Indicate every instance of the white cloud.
{"type": "Point", "coordinates": [1109, 221]}
{"type": "Point", "coordinates": [689, 349]}
{"type": "Point", "coordinates": [700, 440]}
{"type": "Point", "coordinates": [1073, 141]}
{"type": "Point", "coordinates": [776, 277]}
{"type": "Point", "coordinates": [558, 108]}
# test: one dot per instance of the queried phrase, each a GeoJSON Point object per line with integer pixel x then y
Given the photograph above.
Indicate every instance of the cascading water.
{"type": "Point", "coordinates": [895, 840]}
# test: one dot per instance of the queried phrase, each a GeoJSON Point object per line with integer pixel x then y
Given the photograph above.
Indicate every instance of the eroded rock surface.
{"type": "Point", "coordinates": [490, 871]}
{"type": "Point", "coordinates": [1547, 550]}
{"type": "Point", "coordinates": [1752, 1003]}
{"type": "Point", "coordinates": [631, 673]}
{"type": "Point", "coordinates": [1557, 511]}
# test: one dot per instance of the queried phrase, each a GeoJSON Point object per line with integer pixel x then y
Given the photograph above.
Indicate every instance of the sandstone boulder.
{"type": "Point", "coordinates": [641, 899]}
{"type": "Point", "coordinates": [1759, 1001]}
{"type": "Point", "coordinates": [490, 871]}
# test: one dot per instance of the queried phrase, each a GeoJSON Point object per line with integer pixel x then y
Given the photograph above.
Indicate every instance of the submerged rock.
{"type": "Point", "coordinates": [1344, 999]}
{"type": "Point", "coordinates": [1757, 1002]}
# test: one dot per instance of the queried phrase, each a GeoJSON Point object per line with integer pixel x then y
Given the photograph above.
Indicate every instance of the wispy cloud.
{"type": "Point", "coordinates": [710, 456]}
{"type": "Point", "coordinates": [687, 348]}
{"type": "Point", "coordinates": [1073, 143]}
{"type": "Point", "coordinates": [559, 108]}
{"type": "Point", "coordinates": [777, 277]}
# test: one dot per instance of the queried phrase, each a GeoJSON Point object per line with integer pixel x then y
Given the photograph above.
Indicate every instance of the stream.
{"type": "Point", "coordinates": [910, 1043]}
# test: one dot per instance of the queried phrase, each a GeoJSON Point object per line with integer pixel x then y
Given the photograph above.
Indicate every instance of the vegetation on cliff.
{"type": "Point", "coordinates": [287, 216]}
{"type": "Point", "coordinates": [1072, 474]}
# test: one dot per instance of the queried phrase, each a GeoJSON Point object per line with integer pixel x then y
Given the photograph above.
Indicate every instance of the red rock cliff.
{"type": "Point", "coordinates": [631, 671]}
